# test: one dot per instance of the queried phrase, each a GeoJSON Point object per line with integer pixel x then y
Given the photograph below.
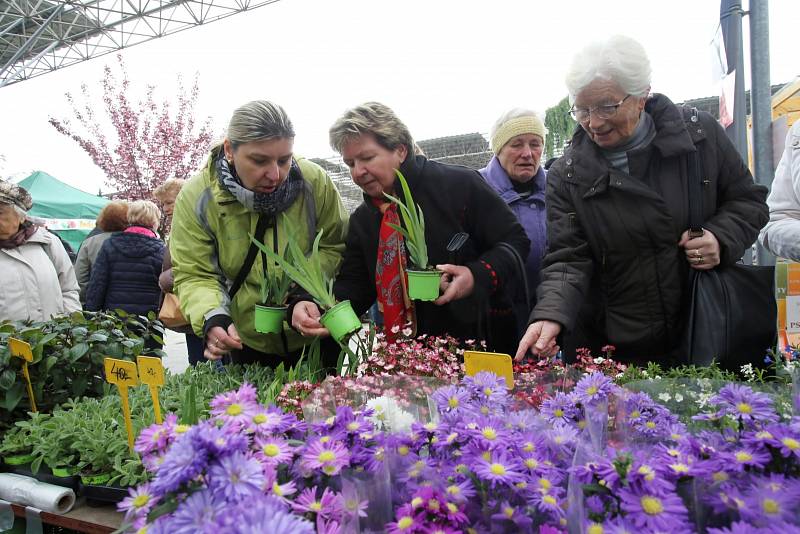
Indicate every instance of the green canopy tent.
{"type": "Point", "coordinates": [68, 211]}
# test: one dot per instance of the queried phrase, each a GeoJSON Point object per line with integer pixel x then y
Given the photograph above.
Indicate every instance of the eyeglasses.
{"type": "Point", "coordinates": [601, 112]}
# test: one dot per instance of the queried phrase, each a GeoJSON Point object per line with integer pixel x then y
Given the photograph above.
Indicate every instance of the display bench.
{"type": "Point", "coordinates": [83, 518]}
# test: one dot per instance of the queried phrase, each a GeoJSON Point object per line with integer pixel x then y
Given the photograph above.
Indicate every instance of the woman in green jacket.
{"type": "Point", "coordinates": [252, 184]}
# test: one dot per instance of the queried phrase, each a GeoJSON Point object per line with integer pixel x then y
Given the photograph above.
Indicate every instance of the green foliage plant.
{"type": "Point", "coordinates": [413, 229]}
{"type": "Point", "coordinates": [276, 284]}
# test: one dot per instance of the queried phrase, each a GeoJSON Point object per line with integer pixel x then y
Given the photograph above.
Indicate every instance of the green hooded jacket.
{"type": "Point", "coordinates": [209, 243]}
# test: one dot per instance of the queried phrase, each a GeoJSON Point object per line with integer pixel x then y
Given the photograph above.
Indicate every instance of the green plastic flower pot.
{"type": "Point", "coordinates": [341, 321]}
{"type": "Point", "coordinates": [18, 459]}
{"type": "Point", "coordinates": [423, 285]}
{"type": "Point", "coordinates": [269, 319]}
{"type": "Point", "coordinates": [63, 472]}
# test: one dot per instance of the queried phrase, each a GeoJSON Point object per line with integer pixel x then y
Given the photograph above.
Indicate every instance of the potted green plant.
{"type": "Point", "coordinates": [17, 446]}
{"type": "Point", "coordinates": [307, 272]}
{"type": "Point", "coordinates": [423, 281]}
{"type": "Point", "coordinates": [271, 312]}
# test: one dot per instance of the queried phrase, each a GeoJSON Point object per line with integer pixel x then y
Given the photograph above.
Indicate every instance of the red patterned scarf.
{"type": "Point", "coordinates": [390, 273]}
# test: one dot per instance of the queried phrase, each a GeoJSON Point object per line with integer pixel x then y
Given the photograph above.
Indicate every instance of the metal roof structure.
{"type": "Point", "coordinates": [40, 36]}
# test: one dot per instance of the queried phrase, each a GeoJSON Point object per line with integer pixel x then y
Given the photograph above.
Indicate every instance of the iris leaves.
{"type": "Point", "coordinates": [413, 222]}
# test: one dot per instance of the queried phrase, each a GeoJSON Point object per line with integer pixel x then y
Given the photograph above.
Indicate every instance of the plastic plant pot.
{"type": "Point", "coordinates": [95, 480]}
{"type": "Point", "coordinates": [269, 319]}
{"type": "Point", "coordinates": [341, 321]}
{"type": "Point", "coordinates": [423, 285]}
{"type": "Point", "coordinates": [18, 459]}
{"type": "Point", "coordinates": [63, 472]}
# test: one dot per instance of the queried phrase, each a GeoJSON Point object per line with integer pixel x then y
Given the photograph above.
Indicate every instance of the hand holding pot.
{"type": "Point", "coordinates": [220, 342]}
{"type": "Point", "coordinates": [457, 283]}
{"type": "Point", "coordinates": [305, 319]}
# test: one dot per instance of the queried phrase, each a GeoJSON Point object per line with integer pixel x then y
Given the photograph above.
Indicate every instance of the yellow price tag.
{"type": "Point", "coordinates": [123, 374]}
{"type": "Point", "coordinates": [151, 372]}
{"type": "Point", "coordinates": [22, 350]}
{"type": "Point", "coordinates": [499, 364]}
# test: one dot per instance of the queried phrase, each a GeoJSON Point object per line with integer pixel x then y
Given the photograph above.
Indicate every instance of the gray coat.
{"type": "Point", "coordinates": [86, 258]}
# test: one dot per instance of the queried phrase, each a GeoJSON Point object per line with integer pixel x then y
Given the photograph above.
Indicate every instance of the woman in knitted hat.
{"type": "Point", "coordinates": [37, 280]}
{"type": "Point", "coordinates": [374, 143]}
{"type": "Point", "coordinates": [515, 173]}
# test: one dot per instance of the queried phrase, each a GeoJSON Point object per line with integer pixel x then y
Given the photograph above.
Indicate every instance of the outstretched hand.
{"type": "Point", "coordinates": [540, 338]}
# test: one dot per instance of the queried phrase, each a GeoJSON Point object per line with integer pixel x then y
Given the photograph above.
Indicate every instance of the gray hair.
{"type": "Point", "coordinates": [371, 118]}
{"type": "Point", "coordinates": [619, 58]}
{"type": "Point", "coordinates": [143, 213]}
{"type": "Point", "coordinates": [258, 120]}
{"type": "Point", "coordinates": [514, 113]}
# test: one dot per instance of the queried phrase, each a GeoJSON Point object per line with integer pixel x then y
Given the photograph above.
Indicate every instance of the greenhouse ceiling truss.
{"type": "Point", "coordinates": [37, 36]}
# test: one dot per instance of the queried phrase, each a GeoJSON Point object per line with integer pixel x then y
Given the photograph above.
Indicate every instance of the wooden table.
{"type": "Point", "coordinates": [83, 518]}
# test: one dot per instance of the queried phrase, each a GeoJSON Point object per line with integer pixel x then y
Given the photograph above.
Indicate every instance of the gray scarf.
{"type": "Point", "coordinates": [267, 203]}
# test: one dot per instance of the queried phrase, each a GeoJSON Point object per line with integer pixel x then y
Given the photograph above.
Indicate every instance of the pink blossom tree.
{"type": "Point", "coordinates": [152, 140]}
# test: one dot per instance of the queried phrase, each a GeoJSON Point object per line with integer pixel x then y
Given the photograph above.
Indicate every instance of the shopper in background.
{"type": "Point", "coordinates": [37, 280]}
{"type": "Point", "coordinates": [781, 235]}
{"type": "Point", "coordinates": [619, 254]}
{"type": "Point", "coordinates": [111, 219]}
{"type": "Point", "coordinates": [125, 273]}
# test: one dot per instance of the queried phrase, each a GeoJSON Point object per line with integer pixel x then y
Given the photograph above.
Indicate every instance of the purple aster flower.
{"type": "Point", "coordinates": [137, 505]}
{"type": "Point", "coordinates": [157, 438]}
{"type": "Point", "coordinates": [619, 525]}
{"type": "Point", "coordinates": [236, 477]}
{"type": "Point", "coordinates": [273, 450]}
{"type": "Point", "coordinates": [328, 526]}
{"type": "Point", "coordinates": [746, 457]}
{"type": "Point", "coordinates": [271, 420]}
{"type": "Point", "coordinates": [329, 457]}
{"type": "Point", "coordinates": [548, 503]}
{"type": "Point", "coordinates": [460, 491]}
{"type": "Point", "coordinates": [594, 388]}
{"type": "Point", "coordinates": [500, 468]}
{"type": "Point", "coordinates": [274, 488]}
{"type": "Point", "coordinates": [218, 440]}
{"type": "Point", "coordinates": [198, 513]}
{"type": "Point", "coordinates": [783, 438]}
{"type": "Point", "coordinates": [560, 407]}
{"type": "Point", "coordinates": [654, 511]}
{"type": "Point", "coordinates": [741, 402]}
{"type": "Point", "coordinates": [450, 398]}
{"type": "Point", "coordinates": [514, 514]}
{"type": "Point", "coordinates": [236, 407]}
{"type": "Point", "coordinates": [407, 521]}
{"type": "Point", "coordinates": [488, 387]}
{"type": "Point", "coordinates": [262, 514]}
{"type": "Point", "coordinates": [182, 463]}
{"type": "Point", "coordinates": [489, 431]}
{"type": "Point", "coordinates": [328, 505]}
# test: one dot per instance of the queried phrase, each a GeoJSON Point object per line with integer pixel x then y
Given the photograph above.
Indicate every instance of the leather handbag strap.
{"type": "Point", "coordinates": [695, 187]}
{"type": "Point", "coordinates": [252, 252]}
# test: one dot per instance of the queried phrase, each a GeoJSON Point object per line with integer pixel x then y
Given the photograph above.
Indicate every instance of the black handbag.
{"type": "Point", "coordinates": [731, 315]}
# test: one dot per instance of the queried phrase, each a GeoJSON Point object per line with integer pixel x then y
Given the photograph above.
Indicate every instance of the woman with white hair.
{"type": "Point", "coordinates": [37, 280]}
{"type": "Point", "coordinates": [619, 252]}
{"type": "Point", "coordinates": [125, 273]}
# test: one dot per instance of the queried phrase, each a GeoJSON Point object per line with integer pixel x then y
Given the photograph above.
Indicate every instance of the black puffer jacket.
{"type": "Point", "coordinates": [454, 199]}
{"type": "Point", "coordinates": [125, 274]}
{"type": "Point", "coordinates": [614, 272]}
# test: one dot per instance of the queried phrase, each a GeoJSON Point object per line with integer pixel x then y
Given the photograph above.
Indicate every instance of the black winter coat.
{"type": "Point", "coordinates": [614, 272]}
{"type": "Point", "coordinates": [454, 199]}
{"type": "Point", "coordinates": [125, 274]}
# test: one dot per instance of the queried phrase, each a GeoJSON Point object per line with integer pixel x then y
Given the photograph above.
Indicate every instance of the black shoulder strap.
{"type": "Point", "coordinates": [252, 252]}
{"type": "Point", "coordinates": [695, 187]}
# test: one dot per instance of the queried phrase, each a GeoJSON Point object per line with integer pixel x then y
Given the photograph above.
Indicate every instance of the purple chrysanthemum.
{"type": "Point", "coordinates": [328, 505]}
{"type": "Point", "coordinates": [500, 468]}
{"type": "Point", "coordinates": [197, 513]}
{"type": "Point", "coordinates": [236, 407]}
{"type": "Point", "coordinates": [594, 388]}
{"type": "Point", "coordinates": [329, 457]}
{"type": "Point", "coordinates": [450, 398]}
{"type": "Point", "coordinates": [654, 511]}
{"type": "Point", "coordinates": [487, 387]}
{"type": "Point", "coordinates": [560, 407]}
{"type": "Point", "coordinates": [236, 477]}
{"type": "Point", "coordinates": [273, 450]}
{"type": "Point", "coordinates": [741, 402]}
{"type": "Point", "coordinates": [182, 463]}
{"type": "Point", "coordinates": [262, 514]}
{"type": "Point", "coordinates": [785, 439]}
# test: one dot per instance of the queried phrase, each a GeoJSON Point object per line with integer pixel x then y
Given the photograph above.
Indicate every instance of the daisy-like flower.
{"type": "Point", "coordinates": [262, 514]}
{"type": "Point", "coordinates": [328, 457]}
{"type": "Point", "coordinates": [218, 440]}
{"type": "Point", "coordinates": [654, 511]}
{"type": "Point", "coordinates": [783, 438]}
{"type": "Point", "coordinates": [182, 463]}
{"type": "Point", "coordinates": [594, 388]}
{"type": "Point", "coordinates": [236, 407]}
{"type": "Point", "coordinates": [499, 468]}
{"type": "Point", "coordinates": [328, 505]}
{"type": "Point", "coordinates": [742, 403]}
{"type": "Point", "coordinates": [407, 521]}
{"type": "Point", "coordinates": [157, 438]}
{"type": "Point", "coordinates": [488, 387]}
{"type": "Point", "coordinates": [198, 513]}
{"type": "Point", "coordinates": [273, 450]}
{"type": "Point", "coordinates": [450, 398]}
{"type": "Point", "coordinates": [560, 407]}
{"type": "Point", "coordinates": [490, 431]}
{"type": "Point", "coordinates": [236, 477]}
{"type": "Point", "coordinates": [271, 420]}
{"type": "Point", "coordinates": [507, 512]}
{"type": "Point", "coordinates": [137, 505]}
{"type": "Point", "coordinates": [745, 457]}
{"type": "Point", "coordinates": [460, 491]}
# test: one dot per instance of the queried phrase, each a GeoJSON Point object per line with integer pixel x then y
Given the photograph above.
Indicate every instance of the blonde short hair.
{"type": "Point", "coordinates": [170, 187]}
{"type": "Point", "coordinates": [144, 213]}
{"type": "Point", "coordinates": [371, 118]}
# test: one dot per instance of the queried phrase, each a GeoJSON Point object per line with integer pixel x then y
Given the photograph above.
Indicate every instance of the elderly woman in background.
{"type": "Point", "coordinates": [516, 174]}
{"type": "Point", "coordinates": [373, 143]}
{"type": "Point", "coordinates": [619, 252]}
{"type": "Point", "coordinates": [253, 184]}
{"type": "Point", "coordinates": [125, 273]}
{"type": "Point", "coordinates": [37, 280]}
{"type": "Point", "coordinates": [167, 193]}
{"type": "Point", "coordinates": [112, 218]}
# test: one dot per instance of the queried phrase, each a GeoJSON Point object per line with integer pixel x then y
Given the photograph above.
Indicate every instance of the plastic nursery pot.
{"type": "Point", "coordinates": [95, 480]}
{"type": "Point", "coordinates": [63, 472]}
{"type": "Point", "coordinates": [18, 459]}
{"type": "Point", "coordinates": [269, 319]}
{"type": "Point", "coordinates": [341, 321]}
{"type": "Point", "coordinates": [423, 285]}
